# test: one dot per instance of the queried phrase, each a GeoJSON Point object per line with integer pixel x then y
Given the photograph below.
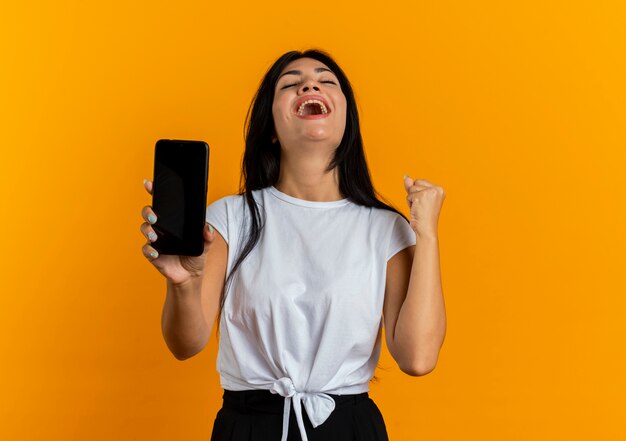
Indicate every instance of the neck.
{"type": "Point", "coordinates": [306, 178]}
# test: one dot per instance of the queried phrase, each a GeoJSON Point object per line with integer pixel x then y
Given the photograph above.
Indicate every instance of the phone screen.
{"type": "Point", "coordinates": [179, 196]}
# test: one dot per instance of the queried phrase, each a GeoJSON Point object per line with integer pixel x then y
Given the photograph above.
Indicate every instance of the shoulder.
{"type": "Point", "coordinates": [236, 203]}
{"type": "Point", "coordinates": [385, 217]}
{"type": "Point", "coordinates": [228, 200]}
{"type": "Point", "coordinates": [223, 205]}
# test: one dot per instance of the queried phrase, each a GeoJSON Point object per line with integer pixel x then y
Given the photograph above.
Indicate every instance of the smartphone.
{"type": "Point", "coordinates": [179, 191]}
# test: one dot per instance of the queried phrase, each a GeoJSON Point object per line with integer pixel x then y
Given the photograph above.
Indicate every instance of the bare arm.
{"type": "Point", "coordinates": [414, 311]}
{"type": "Point", "coordinates": [190, 308]}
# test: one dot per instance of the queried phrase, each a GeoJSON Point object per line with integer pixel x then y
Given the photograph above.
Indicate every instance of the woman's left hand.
{"type": "Point", "coordinates": [425, 200]}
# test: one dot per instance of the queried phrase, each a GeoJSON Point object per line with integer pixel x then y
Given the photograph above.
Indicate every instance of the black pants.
{"type": "Point", "coordinates": [257, 415]}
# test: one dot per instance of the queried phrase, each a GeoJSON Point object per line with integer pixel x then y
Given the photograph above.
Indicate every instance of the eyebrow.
{"type": "Point", "coordinates": [299, 72]}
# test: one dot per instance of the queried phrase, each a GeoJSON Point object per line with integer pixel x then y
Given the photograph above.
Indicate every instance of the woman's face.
{"type": "Point", "coordinates": [323, 120]}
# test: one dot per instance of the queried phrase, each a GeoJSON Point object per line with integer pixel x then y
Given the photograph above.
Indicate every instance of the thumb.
{"type": "Point", "coordinates": [209, 232]}
{"type": "Point", "coordinates": [408, 182]}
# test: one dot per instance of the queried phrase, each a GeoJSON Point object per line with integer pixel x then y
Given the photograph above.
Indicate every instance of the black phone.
{"type": "Point", "coordinates": [179, 191]}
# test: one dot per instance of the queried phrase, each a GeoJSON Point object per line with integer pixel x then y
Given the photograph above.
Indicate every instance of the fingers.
{"type": "Point", "coordinates": [409, 200]}
{"type": "Point", "coordinates": [431, 192]}
{"type": "Point", "coordinates": [408, 182]}
{"type": "Point", "coordinates": [148, 214]}
{"type": "Point", "coordinates": [148, 232]}
{"type": "Point", "coordinates": [147, 185]}
{"type": "Point", "coordinates": [418, 187]}
{"type": "Point", "coordinates": [423, 182]}
{"type": "Point", "coordinates": [146, 229]}
{"type": "Point", "coordinates": [415, 186]}
{"type": "Point", "coordinates": [411, 194]}
{"type": "Point", "coordinates": [149, 252]}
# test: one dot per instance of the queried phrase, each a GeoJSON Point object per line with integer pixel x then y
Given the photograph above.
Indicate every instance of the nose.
{"type": "Point", "coordinates": [310, 84]}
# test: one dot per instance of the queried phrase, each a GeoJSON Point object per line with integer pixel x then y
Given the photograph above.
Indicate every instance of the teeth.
{"type": "Point", "coordinates": [301, 108]}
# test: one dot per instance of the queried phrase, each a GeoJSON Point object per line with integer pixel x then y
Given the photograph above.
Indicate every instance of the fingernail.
{"type": "Point", "coordinates": [152, 236]}
{"type": "Point", "coordinates": [211, 228]}
{"type": "Point", "coordinates": [154, 254]}
{"type": "Point", "coordinates": [152, 218]}
{"type": "Point", "coordinates": [406, 176]}
{"type": "Point", "coordinates": [144, 181]}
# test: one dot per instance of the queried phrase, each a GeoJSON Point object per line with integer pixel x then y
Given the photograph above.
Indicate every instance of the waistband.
{"type": "Point", "coordinates": [264, 401]}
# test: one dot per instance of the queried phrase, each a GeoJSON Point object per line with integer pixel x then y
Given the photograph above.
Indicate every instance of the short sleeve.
{"type": "Point", "coordinates": [402, 236]}
{"type": "Point", "coordinates": [217, 215]}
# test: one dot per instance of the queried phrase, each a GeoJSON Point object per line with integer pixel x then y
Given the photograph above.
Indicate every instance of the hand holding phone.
{"type": "Point", "coordinates": [178, 269]}
{"type": "Point", "coordinates": [175, 223]}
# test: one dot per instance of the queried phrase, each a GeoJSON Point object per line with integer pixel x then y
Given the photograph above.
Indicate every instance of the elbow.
{"type": "Point", "coordinates": [184, 350]}
{"type": "Point", "coordinates": [184, 355]}
{"type": "Point", "coordinates": [418, 368]}
{"type": "Point", "coordinates": [181, 357]}
{"type": "Point", "coordinates": [422, 364]}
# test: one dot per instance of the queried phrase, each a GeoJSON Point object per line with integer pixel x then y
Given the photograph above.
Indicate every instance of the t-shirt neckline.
{"type": "Point", "coordinates": [305, 203]}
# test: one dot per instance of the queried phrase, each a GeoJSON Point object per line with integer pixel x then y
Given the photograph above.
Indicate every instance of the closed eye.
{"type": "Point", "coordinates": [293, 84]}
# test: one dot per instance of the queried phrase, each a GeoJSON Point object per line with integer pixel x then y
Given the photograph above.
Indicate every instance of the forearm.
{"type": "Point", "coordinates": [421, 324]}
{"type": "Point", "coordinates": [183, 324]}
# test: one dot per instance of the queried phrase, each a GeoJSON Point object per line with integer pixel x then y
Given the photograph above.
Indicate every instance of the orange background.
{"type": "Point", "coordinates": [517, 109]}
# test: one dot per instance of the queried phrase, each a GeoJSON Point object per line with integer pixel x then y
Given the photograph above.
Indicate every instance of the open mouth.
{"type": "Point", "coordinates": [312, 107]}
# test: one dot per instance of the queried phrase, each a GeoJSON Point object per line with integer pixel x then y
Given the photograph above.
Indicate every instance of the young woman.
{"type": "Point", "coordinates": [306, 267]}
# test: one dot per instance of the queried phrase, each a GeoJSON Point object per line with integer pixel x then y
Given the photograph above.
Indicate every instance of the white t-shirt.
{"type": "Point", "coordinates": [303, 316]}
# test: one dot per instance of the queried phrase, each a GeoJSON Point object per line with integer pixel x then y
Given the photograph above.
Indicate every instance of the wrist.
{"type": "Point", "coordinates": [426, 236]}
{"type": "Point", "coordinates": [192, 284]}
